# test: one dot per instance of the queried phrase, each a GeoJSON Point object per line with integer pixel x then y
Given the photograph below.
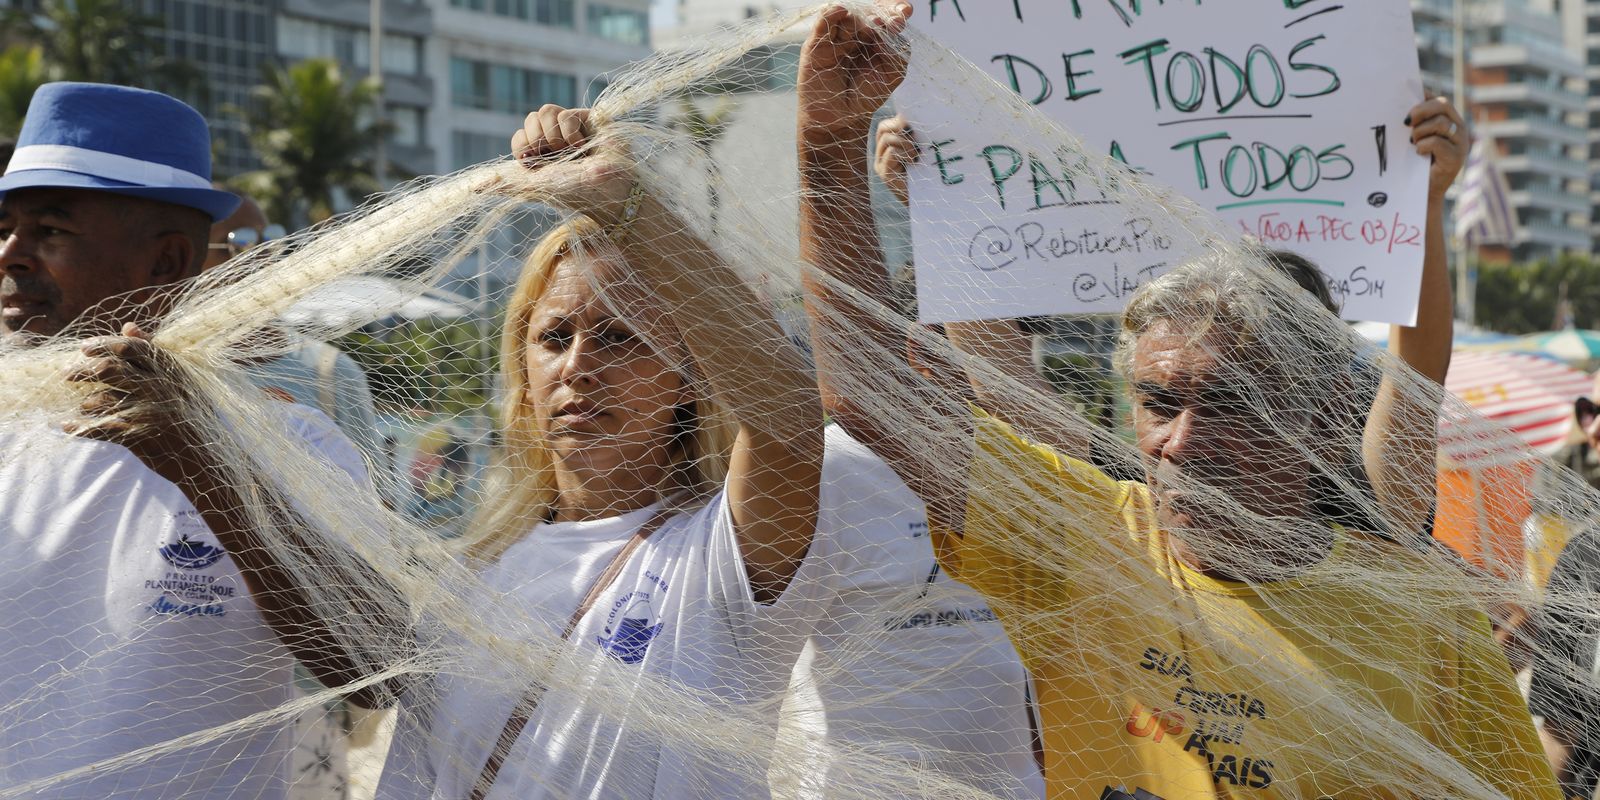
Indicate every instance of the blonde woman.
{"type": "Point", "coordinates": [663, 449]}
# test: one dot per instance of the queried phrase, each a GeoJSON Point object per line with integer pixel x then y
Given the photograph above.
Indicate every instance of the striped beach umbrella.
{"type": "Point", "coordinates": [1521, 406]}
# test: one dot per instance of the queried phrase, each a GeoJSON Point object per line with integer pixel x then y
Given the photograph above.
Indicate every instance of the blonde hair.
{"type": "Point", "coordinates": [522, 486]}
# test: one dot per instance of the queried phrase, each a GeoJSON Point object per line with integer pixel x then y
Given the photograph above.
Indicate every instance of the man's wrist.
{"type": "Point", "coordinates": [841, 134]}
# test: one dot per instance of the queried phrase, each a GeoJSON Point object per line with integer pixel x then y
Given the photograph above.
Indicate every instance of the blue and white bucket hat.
{"type": "Point", "coordinates": [120, 140]}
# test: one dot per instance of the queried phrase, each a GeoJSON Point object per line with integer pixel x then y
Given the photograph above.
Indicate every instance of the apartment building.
{"type": "Point", "coordinates": [1525, 92]}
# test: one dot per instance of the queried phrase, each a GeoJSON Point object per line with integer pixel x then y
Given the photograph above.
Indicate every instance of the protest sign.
{"type": "Point", "coordinates": [1283, 118]}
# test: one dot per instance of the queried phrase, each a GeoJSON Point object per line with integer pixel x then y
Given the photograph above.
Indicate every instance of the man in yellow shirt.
{"type": "Point", "coordinates": [1349, 672]}
{"type": "Point", "coordinates": [1213, 631]}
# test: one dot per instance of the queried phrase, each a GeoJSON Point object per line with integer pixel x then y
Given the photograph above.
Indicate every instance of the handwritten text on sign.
{"type": "Point", "coordinates": [1285, 118]}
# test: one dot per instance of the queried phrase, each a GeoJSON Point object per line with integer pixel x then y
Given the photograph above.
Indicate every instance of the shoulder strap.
{"type": "Point", "coordinates": [530, 699]}
{"type": "Point", "coordinates": [327, 360]}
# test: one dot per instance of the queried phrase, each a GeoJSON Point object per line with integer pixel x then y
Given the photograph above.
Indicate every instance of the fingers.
{"type": "Point", "coordinates": [1430, 108]}
{"type": "Point", "coordinates": [549, 131]}
{"type": "Point", "coordinates": [129, 368]}
{"type": "Point", "coordinates": [549, 122]}
{"type": "Point", "coordinates": [1436, 117]}
{"type": "Point", "coordinates": [1440, 134]}
{"type": "Point", "coordinates": [1440, 125]}
{"type": "Point", "coordinates": [892, 10]}
{"type": "Point", "coordinates": [829, 34]}
{"type": "Point", "coordinates": [895, 138]}
{"type": "Point", "coordinates": [119, 355]}
{"type": "Point", "coordinates": [574, 124]}
{"type": "Point", "coordinates": [895, 124]}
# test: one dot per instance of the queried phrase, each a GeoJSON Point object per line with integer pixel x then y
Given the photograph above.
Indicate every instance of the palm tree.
{"type": "Point", "coordinates": [105, 41]}
{"type": "Point", "coordinates": [21, 71]}
{"type": "Point", "coordinates": [313, 132]}
{"type": "Point", "coordinates": [705, 127]}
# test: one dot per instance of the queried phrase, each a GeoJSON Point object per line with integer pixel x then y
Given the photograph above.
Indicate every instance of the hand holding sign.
{"type": "Point", "coordinates": [1283, 119]}
{"type": "Point", "coordinates": [1440, 135]}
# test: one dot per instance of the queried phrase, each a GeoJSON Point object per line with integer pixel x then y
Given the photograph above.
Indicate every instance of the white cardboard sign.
{"type": "Point", "coordinates": [1282, 118]}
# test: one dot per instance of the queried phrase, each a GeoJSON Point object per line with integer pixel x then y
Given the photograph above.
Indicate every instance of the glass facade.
{"type": "Point", "coordinates": [228, 41]}
{"type": "Point", "coordinates": [304, 38]}
{"type": "Point", "coordinates": [469, 147]}
{"type": "Point", "coordinates": [618, 24]}
{"type": "Point", "coordinates": [507, 89]}
{"type": "Point", "coordinates": [556, 13]}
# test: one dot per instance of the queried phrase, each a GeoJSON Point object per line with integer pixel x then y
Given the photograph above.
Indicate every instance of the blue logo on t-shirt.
{"type": "Point", "coordinates": [628, 638]}
{"type": "Point", "coordinates": [188, 554]}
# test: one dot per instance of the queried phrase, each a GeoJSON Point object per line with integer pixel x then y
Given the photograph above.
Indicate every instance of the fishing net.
{"type": "Point", "coordinates": [966, 585]}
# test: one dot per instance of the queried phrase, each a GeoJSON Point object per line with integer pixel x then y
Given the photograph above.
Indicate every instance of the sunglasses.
{"type": "Point", "coordinates": [242, 239]}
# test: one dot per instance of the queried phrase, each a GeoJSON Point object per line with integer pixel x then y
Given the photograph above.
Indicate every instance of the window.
{"type": "Point", "coordinates": [302, 38]}
{"type": "Point", "coordinates": [559, 13]}
{"type": "Point", "coordinates": [402, 55]}
{"type": "Point", "coordinates": [508, 89]}
{"type": "Point", "coordinates": [344, 45]}
{"type": "Point", "coordinates": [408, 125]}
{"type": "Point", "coordinates": [596, 86]}
{"type": "Point", "coordinates": [469, 83]}
{"type": "Point", "coordinates": [468, 148]}
{"type": "Point", "coordinates": [618, 24]}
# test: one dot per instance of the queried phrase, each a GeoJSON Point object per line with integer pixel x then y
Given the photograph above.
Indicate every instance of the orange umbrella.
{"type": "Point", "coordinates": [1521, 410]}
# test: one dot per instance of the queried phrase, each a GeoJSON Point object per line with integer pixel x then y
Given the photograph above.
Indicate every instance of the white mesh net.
{"type": "Point", "coordinates": [933, 576]}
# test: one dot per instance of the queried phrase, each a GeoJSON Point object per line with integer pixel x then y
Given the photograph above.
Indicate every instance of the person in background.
{"type": "Point", "coordinates": [309, 372]}
{"type": "Point", "coordinates": [1564, 693]}
{"type": "Point", "coordinates": [316, 374]}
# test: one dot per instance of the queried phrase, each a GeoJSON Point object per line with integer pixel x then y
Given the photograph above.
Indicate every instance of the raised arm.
{"type": "Point", "coordinates": [849, 66]}
{"type": "Point", "coordinates": [740, 352]}
{"type": "Point", "coordinates": [139, 405]}
{"type": "Point", "coordinates": [1399, 444]}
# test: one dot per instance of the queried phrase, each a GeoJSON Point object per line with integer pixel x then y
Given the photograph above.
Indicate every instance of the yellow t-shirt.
{"type": "Point", "coordinates": [1156, 681]}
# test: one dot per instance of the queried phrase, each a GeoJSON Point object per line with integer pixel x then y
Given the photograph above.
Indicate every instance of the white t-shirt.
{"type": "Point", "coordinates": [907, 662]}
{"type": "Point", "coordinates": [679, 615]}
{"type": "Point", "coordinates": [124, 625]}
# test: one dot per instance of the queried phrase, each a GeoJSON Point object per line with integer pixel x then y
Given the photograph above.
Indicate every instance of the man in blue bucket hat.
{"type": "Point", "coordinates": [107, 198]}
{"type": "Point", "coordinates": [139, 607]}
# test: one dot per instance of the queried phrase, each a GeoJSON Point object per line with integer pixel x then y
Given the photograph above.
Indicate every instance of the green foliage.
{"type": "Point", "coordinates": [1522, 298]}
{"type": "Point", "coordinates": [420, 366]}
{"type": "Point", "coordinates": [22, 70]}
{"type": "Point", "coordinates": [312, 129]}
{"type": "Point", "coordinates": [104, 41]}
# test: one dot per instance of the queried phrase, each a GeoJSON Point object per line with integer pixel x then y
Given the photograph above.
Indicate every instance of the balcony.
{"type": "Point", "coordinates": [1551, 57]}
{"type": "Point", "coordinates": [1528, 94]}
{"type": "Point", "coordinates": [1552, 199]}
{"type": "Point", "coordinates": [1538, 128]}
{"type": "Point", "coordinates": [414, 19]}
{"type": "Point", "coordinates": [1545, 164]}
{"type": "Point", "coordinates": [1554, 235]}
{"type": "Point", "coordinates": [1434, 9]}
